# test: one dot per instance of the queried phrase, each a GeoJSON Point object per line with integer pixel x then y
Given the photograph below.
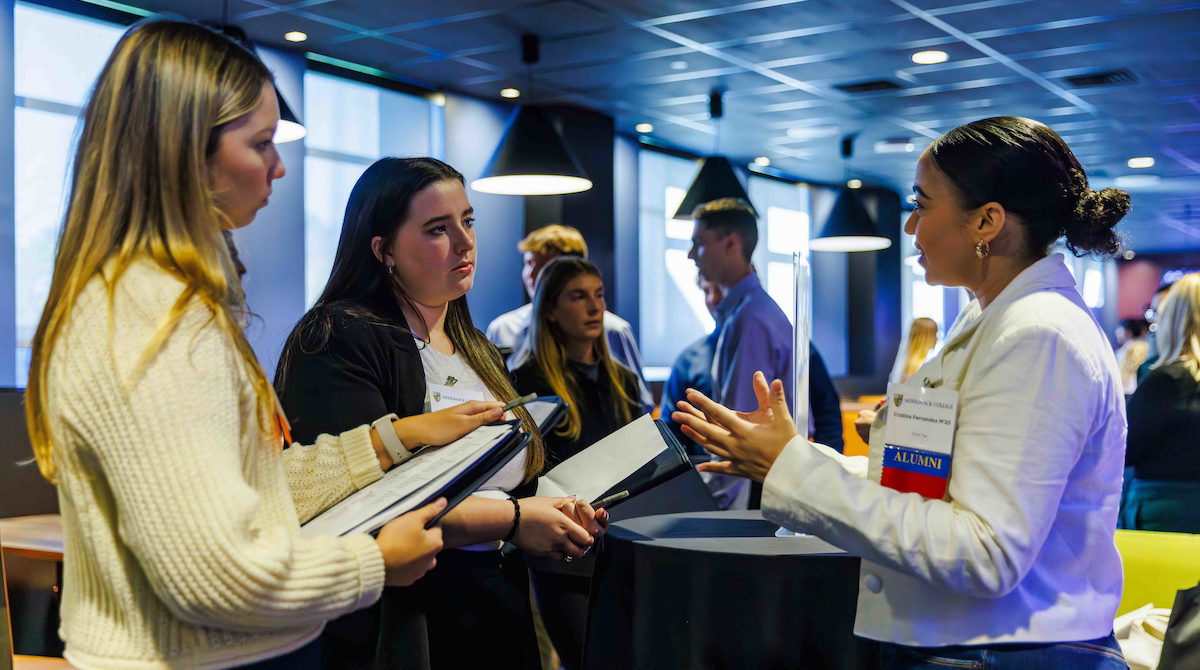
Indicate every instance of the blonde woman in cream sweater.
{"type": "Point", "coordinates": [148, 409]}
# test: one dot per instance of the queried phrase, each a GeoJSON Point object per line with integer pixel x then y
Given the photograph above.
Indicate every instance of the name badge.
{"type": "Point", "coordinates": [918, 439]}
{"type": "Point", "coordinates": [442, 397]}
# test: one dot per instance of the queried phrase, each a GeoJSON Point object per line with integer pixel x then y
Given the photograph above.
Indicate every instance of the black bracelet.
{"type": "Point", "coordinates": [516, 521]}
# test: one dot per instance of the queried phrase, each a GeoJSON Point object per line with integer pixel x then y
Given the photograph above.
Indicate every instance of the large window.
{"type": "Point", "coordinates": [57, 59]}
{"type": "Point", "coordinates": [672, 308]}
{"type": "Point", "coordinates": [350, 126]}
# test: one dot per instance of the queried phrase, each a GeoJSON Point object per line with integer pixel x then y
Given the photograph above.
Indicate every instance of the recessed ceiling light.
{"type": "Point", "coordinates": [679, 65]}
{"type": "Point", "coordinates": [854, 183]}
{"type": "Point", "coordinates": [1129, 255]}
{"type": "Point", "coordinates": [438, 99]}
{"type": "Point", "coordinates": [644, 128]}
{"type": "Point", "coordinates": [811, 132]}
{"type": "Point", "coordinates": [762, 161]}
{"type": "Point", "coordinates": [1143, 162]}
{"type": "Point", "coordinates": [295, 36]}
{"type": "Point", "coordinates": [929, 57]}
{"type": "Point", "coordinates": [510, 93]}
{"type": "Point", "coordinates": [910, 147]}
{"type": "Point", "coordinates": [1135, 180]}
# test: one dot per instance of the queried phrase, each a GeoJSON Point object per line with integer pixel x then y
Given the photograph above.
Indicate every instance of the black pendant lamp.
{"type": "Point", "coordinates": [849, 226]}
{"type": "Point", "coordinates": [290, 128]}
{"type": "Point", "coordinates": [532, 158]}
{"type": "Point", "coordinates": [716, 179]}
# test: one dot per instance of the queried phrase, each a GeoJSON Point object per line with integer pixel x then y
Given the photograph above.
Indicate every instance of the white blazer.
{"type": "Point", "coordinates": [1021, 548]}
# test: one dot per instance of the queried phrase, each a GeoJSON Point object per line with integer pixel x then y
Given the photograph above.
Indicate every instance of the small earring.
{"type": "Point", "coordinates": [391, 269]}
{"type": "Point", "coordinates": [982, 249]}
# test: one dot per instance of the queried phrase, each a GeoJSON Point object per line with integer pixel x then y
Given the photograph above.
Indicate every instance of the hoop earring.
{"type": "Point", "coordinates": [982, 249]}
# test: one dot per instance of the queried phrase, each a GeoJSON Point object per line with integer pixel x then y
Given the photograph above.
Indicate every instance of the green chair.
{"type": "Point", "coordinates": [1156, 566]}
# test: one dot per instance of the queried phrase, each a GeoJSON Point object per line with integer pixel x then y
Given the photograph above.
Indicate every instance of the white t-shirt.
{"type": "Point", "coordinates": [441, 367]}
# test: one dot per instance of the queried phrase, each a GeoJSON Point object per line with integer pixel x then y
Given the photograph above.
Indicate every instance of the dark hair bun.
{"type": "Point", "coordinates": [1095, 216]}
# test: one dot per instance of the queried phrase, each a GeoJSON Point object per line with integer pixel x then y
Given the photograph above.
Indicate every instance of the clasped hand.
{"type": "Point", "coordinates": [559, 527]}
{"type": "Point", "coordinates": [750, 442]}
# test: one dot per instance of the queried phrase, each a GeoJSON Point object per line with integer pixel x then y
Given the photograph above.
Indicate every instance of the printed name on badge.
{"type": "Point", "coordinates": [919, 439]}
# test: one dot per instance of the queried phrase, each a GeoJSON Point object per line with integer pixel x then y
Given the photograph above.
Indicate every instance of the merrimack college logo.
{"type": "Point", "coordinates": [898, 399]}
{"type": "Point", "coordinates": [437, 396]}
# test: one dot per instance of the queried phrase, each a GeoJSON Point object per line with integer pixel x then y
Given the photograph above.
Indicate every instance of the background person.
{"type": "Point", "coordinates": [692, 369]}
{"type": "Point", "coordinates": [1132, 349]}
{"type": "Point", "coordinates": [1016, 563]}
{"type": "Point", "coordinates": [146, 404]}
{"type": "Point", "coordinates": [1164, 422]}
{"type": "Point", "coordinates": [510, 330]}
{"type": "Point", "coordinates": [570, 358]}
{"type": "Point", "coordinates": [919, 345]}
{"type": "Point", "coordinates": [391, 324]}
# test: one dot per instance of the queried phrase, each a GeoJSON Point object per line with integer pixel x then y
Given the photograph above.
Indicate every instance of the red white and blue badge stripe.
{"type": "Point", "coordinates": [915, 470]}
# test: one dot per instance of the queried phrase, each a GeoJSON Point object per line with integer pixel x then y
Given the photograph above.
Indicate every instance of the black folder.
{"type": "Point", "coordinates": [670, 463]}
{"type": "Point", "coordinates": [475, 476]}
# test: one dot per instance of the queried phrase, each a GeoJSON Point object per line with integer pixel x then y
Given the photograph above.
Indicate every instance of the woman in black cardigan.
{"type": "Point", "coordinates": [569, 358]}
{"type": "Point", "coordinates": [394, 309]}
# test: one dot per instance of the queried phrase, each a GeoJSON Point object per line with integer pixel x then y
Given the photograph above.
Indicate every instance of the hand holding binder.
{"type": "Point", "coordinates": [408, 547]}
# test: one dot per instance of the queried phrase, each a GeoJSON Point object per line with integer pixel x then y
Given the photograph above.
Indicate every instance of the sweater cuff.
{"type": "Point", "coordinates": [371, 570]}
{"type": "Point", "coordinates": [360, 456]}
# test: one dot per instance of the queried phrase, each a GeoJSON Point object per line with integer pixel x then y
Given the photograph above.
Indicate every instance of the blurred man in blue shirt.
{"type": "Point", "coordinates": [752, 332]}
{"type": "Point", "coordinates": [693, 369]}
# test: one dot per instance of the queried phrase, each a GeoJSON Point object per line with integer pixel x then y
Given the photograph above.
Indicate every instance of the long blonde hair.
{"type": "Point", "coordinates": [550, 354]}
{"type": "Point", "coordinates": [922, 336]}
{"type": "Point", "coordinates": [1178, 334]}
{"type": "Point", "coordinates": [140, 189]}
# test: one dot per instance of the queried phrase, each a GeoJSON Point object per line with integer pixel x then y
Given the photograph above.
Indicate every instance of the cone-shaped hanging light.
{"type": "Point", "coordinates": [716, 179]}
{"type": "Point", "coordinates": [849, 228]}
{"type": "Point", "coordinates": [290, 128]}
{"type": "Point", "coordinates": [532, 159]}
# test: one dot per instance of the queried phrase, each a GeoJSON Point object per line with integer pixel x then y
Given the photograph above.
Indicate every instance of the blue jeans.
{"type": "Point", "coordinates": [1101, 654]}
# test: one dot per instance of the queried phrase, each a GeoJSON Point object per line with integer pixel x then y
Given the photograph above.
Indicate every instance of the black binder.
{"type": "Point", "coordinates": [475, 476]}
{"type": "Point", "coordinates": [670, 463]}
{"type": "Point", "coordinates": [556, 417]}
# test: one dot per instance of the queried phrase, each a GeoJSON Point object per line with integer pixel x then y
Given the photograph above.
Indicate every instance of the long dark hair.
{"type": "Point", "coordinates": [1027, 168]}
{"type": "Point", "coordinates": [550, 354]}
{"type": "Point", "coordinates": [378, 206]}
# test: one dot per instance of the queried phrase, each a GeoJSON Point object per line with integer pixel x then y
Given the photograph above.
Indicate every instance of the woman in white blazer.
{"type": "Point", "coordinates": [1015, 565]}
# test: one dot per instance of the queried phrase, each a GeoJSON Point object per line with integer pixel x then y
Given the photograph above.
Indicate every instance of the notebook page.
{"type": "Point", "coordinates": [595, 470]}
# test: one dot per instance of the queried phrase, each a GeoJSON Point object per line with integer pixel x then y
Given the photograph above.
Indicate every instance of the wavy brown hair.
{"type": "Point", "coordinates": [140, 190]}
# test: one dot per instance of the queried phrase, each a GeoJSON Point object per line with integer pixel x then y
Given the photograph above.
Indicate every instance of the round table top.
{"type": "Point", "coordinates": [726, 532]}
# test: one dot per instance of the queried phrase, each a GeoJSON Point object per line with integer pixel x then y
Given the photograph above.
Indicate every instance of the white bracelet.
{"type": "Point", "coordinates": [391, 441]}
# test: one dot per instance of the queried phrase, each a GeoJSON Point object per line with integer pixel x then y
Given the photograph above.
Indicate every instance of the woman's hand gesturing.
{"type": "Point", "coordinates": [749, 442]}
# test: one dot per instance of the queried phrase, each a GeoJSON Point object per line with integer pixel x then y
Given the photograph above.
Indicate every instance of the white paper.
{"type": "Point", "coordinates": [540, 410]}
{"type": "Point", "coordinates": [419, 473]}
{"type": "Point", "coordinates": [595, 470]}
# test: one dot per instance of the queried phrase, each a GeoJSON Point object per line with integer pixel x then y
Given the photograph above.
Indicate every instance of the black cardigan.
{"type": "Point", "coordinates": [597, 406]}
{"type": "Point", "coordinates": [369, 367]}
{"type": "Point", "coordinates": [1164, 425]}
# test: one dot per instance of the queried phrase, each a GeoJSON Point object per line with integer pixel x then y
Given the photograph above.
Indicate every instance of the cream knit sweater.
{"type": "Point", "coordinates": [182, 543]}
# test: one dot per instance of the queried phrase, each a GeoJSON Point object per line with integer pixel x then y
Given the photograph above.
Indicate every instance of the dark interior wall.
{"type": "Point", "coordinates": [591, 136]}
{"type": "Point", "coordinates": [24, 492]}
{"type": "Point", "coordinates": [856, 299]}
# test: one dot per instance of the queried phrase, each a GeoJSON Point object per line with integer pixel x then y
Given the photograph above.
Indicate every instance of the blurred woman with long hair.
{"type": "Point", "coordinates": [146, 405]}
{"type": "Point", "coordinates": [922, 339]}
{"type": "Point", "coordinates": [1164, 420]}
